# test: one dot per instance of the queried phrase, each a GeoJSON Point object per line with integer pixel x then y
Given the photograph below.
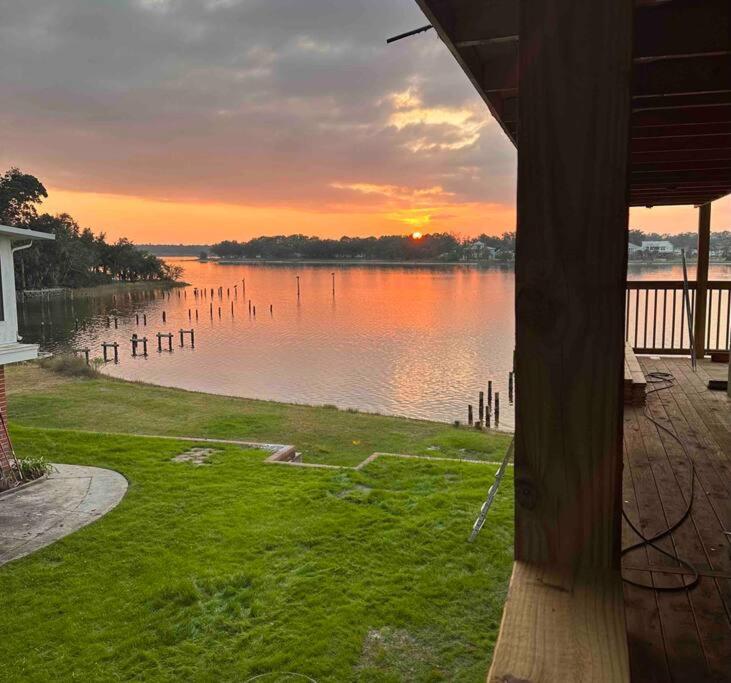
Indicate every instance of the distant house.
{"type": "Point", "coordinates": [479, 250]}
{"type": "Point", "coordinates": [658, 247]}
{"type": "Point", "coordinates": [633, 249]}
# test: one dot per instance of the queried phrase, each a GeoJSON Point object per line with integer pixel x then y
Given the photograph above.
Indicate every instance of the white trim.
{"type": "Point", "coordinates": [17, 353]}
{"type": "Point", "coordinates": [23, 234]}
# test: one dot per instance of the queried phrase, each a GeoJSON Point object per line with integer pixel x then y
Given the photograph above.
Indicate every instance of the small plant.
{"type": "Point", "coordinates": [69, 365]}
{"type": "Point", "coordinates": [34, 468]}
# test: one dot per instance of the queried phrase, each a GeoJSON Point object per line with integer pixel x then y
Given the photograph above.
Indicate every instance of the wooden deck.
{"type": "Point", "coordinates": [681, 635]}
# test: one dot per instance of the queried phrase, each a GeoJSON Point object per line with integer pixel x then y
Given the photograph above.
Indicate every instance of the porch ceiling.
{"type": "Point", "coordinates": [681, 88]}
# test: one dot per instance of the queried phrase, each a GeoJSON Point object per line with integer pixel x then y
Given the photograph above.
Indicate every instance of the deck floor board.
{"type": "Point", "coordinates": [682, 635]}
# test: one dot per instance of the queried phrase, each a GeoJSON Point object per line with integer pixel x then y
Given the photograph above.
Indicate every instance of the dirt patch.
{"type": "Point", "coordinates": [396, 651]}
{"type": "Point", "coordinates": [196, 456]}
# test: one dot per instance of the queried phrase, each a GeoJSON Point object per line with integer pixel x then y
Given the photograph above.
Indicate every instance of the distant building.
{"type": "Point", "coordinates": [658, 247]}
{"type": "Point", "coordinates": [633, 248]}
{"type": "Point", "coordinates": [479, 250]}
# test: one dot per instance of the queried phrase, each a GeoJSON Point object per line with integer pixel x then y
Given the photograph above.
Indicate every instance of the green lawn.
{"type": "Point", "coordinates": [240, 568]}
{"type": "Point", "coordinates": [40, 398]}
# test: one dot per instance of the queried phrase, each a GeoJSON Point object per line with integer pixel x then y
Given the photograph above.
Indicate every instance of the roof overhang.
{"type": "Point", "coordinates": [16, 234]}
{"type": "Point", "coordinates": [680, 147]}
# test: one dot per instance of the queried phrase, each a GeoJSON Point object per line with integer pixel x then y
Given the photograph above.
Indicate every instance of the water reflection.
{"type": "Point", "coordinates": [414, 341]}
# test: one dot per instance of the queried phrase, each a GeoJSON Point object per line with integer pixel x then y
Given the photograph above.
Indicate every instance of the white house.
{"type": "Point", "coordinates": [633, 248]}
{"type": "Point", "coordinates": [658, 247]}
{"type": "Point", "coordinates": [12, 350]}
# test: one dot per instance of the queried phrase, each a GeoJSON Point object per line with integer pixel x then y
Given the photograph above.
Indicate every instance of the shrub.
{"type": "Point", "coordinates": [34, 468]}
{"type": "Point", "coordinates": [69, 365]}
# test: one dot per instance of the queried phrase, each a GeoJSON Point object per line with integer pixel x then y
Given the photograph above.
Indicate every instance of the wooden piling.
{"type": "Point", "coordinates": [481, 406]}
{"type": "Point", "coordinates": [164, 317]}
{"type": "Point", "coordinates": [298, 286]}
{"type": "Point", "coordinates": [469, 415]}
{"type": "Point", "coordinates": [510, 386]}
{"type": "Point", "coordinates": [489, 393]}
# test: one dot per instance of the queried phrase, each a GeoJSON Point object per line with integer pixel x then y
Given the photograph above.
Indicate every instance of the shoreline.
{"type": "Point", "coordinates": [93, 290]}
{"type": "Point", "coordinates": [296, 404]}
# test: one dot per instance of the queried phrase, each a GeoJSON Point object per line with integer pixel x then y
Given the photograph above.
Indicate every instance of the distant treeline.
{"type": "Point", "coordinates": [174, 249]}
{"type": "Point", "coordinates": [429, 247]}
{"type": "Point", "coordinates": [77, 257]}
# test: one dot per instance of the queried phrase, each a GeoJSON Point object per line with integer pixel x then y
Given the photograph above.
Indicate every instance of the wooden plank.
{"type": "Point", "coordinates": [710, 598]}
{"type": "Point", "coordinates": [570, 275]}
{"type": "Point", "coordinates": [559, 627]}
{"type": "Point", "coordinates": [648, 661]}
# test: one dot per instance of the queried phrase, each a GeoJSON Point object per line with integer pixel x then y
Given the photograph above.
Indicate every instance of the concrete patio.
{"type": "Point", "coordinates": [45, 511]}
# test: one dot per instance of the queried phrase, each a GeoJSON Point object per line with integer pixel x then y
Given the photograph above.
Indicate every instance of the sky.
{"type": "Point", "coordinates": [193, 121]}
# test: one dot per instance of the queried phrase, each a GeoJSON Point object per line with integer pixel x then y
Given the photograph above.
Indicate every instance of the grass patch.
{"type": "Point", "coordinates": [225, 572]}
{"type": "Point", "coordinates": [42, 398]}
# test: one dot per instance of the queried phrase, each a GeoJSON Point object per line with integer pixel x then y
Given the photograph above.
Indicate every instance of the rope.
{"type": "Point", "coordinates": [664, 381]}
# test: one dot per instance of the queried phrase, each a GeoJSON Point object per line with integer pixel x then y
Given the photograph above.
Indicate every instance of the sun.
{"type": "Point", "coordinates": [416, 235]}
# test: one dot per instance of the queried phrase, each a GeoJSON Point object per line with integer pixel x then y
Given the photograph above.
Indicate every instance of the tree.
{"type": "Point", "coordinates": [77, 257]}
{"type": "Point", "coordinates": [20, 193]}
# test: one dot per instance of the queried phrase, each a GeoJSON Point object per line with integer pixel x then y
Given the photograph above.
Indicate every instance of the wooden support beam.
{"type": "Point", "coordinates": [704, 247]}
{"type": "Point", "coordinates": [571, 269]}
{"type": "Point", "coordinates": [683, 76]}
{"type": "Point", "coordinates": [683, 116]}
{"type": "Point", "coordinates": [682, 27]}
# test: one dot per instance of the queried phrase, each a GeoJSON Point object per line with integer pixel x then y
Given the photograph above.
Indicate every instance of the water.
{"type": "Point", "coordinates": [413, 341]}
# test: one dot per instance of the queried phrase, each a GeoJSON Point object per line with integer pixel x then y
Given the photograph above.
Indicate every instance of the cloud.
{"type": "Point", "coordinates": [277, 103]}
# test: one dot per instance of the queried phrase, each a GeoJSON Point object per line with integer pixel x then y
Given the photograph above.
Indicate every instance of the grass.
{"type": "Point", "coordinates": [238, 568]}
{"type": "Point", "coordinates": [39, 397]}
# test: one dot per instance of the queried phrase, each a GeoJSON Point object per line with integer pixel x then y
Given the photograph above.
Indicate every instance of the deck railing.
{"type": "Point", "coordinates": [656, 320]}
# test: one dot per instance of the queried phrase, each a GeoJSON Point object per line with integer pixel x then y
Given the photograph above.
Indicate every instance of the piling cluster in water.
{"type": "Point", "coordinates": [139, 344]}
{"type": "Point", "coordinates": [488, 412]}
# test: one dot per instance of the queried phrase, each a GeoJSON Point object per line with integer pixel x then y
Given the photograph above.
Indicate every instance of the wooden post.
{"type": "Point", "coordinates": [298, 286]}
{"type": "Point", "coordinates": [701, 294]}
{"type": "Point", "coordinates": [571, 267]}
{"type": "Point", "coordinates": [481, 407]}
{"type": "Point", "coordinates": [469, 415]}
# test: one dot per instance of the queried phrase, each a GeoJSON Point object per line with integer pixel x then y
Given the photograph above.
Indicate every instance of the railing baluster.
{"type": "Point", "coordinates": [672, 327]}
{"type": "Point", "coordinates": [644, 327]}
{"type": "Point", "coordinates": [637, 313]}
{"type": "Point", "coordinates": [718, 319]}
{"type": "Point", "coordinates": [626, 314]}
{"type": "Point", "coordinates": [728, 320]}
{"type": "Point", "coordinates": [709, 317]}
{"type": "Point", "coordinates": [664, 315]}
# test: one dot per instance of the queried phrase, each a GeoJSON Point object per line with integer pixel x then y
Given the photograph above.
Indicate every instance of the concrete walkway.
{"type": "Point", "coordinates": [70, 498]}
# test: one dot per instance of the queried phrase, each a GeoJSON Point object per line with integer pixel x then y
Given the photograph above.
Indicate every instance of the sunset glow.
{"type": "Point", "coordinates": [215, 121]}
{"type": "Point", "coordinates": [416, 235]}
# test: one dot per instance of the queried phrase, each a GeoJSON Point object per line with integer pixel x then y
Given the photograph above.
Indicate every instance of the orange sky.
{"type": "Point", "coordinates": [194, 122]}
{"type": "Point", "coordinates": [146, 220]}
